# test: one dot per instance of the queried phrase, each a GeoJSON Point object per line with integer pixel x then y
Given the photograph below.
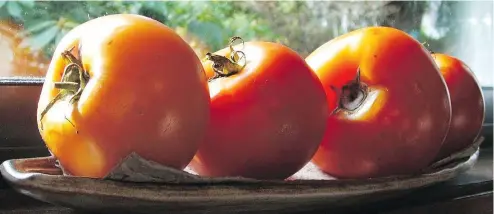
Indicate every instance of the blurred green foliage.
{"type": "Point", "coordinates": [302, 25]}
{"type": "Point", "coordinates": [46, 22]}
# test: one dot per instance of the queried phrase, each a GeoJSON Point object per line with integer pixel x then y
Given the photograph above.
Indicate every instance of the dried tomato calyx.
{"type": "Point", "coordinates": [73, 82]}
{"type": "Point", "coordinates": [224, 66]}
{"type": "Point", "coordinates": [351, 95]}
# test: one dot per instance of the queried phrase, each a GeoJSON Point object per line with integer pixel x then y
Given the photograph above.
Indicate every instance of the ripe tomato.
{"type": "Point", "coordinates": [467, 103]}
{"type": "Point", "coordinates": [18, 103]}
{"type": "Point", "coordinates": [268, 113]}
{"type": "Point", "coordinates": [390, 106]}
{"type": "Point", "coordinates": [143, 90]}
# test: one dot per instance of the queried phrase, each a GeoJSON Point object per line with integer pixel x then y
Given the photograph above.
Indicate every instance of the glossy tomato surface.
{"type": "Point", "coordinates": [395, 119]}
{"type": "Point", "coordinates": [467, 103]}
{"type": "Point", "coordinates": [266, 120]}
{"type": "Point", "coordinates": [147, 93]}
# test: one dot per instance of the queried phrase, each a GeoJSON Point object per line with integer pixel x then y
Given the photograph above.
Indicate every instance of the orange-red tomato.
{"type": "Point", "coordinates": [467, 103]}
{"type": "Point", "coordinates": [146, 93]}
{"type": "Point", "coordinates": [393, 117]}
{"type": "Point", "coordinates": [18, 103]}
{"type": "Point", "coordinates": [267, 120]}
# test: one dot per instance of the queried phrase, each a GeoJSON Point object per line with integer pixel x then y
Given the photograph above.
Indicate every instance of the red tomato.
{"type": "Point", "coordinates": [467, 103]}
{"type": "Point", "coordinates": [390, 106]}
{"type": "Point", "coordinates": [267, 113]}
{"type": "Point", "coordinates": [134, 86]}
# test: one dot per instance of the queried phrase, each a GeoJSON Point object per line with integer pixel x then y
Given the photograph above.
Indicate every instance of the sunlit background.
{"type": "Point", "coordinates": [29, 30]}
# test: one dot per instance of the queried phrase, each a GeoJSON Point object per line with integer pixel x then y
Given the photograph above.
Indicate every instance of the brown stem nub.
{"type": "Point", "coordinates": [224, 66]}
{"type": "Point", "coordinates": [351, 95]}
{"type": "Point", "coordinates": [74, 80]}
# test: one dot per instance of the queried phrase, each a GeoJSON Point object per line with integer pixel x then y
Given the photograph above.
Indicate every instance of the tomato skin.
{"type": "Point", "coordinates": [467, 103]}
{"type": "Point", "coordinates": [401, 124]}
{"type": "Point", "coordinates": [267, 120]}
{"type": "Point", "coordinates": [147, 94]}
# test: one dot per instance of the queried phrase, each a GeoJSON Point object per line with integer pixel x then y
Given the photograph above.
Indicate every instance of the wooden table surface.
{"type": "Point", "coordinates": [470, 193]}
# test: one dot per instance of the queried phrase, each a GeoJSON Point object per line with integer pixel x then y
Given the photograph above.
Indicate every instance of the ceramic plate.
{"type": "Point", "coordinates": [308, 189]}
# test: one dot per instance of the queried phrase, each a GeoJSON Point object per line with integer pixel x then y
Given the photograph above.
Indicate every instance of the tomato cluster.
{"type": "Point", "coordinates": [373, 102]}
{"type": "Point", "coordinates": [394, 114]}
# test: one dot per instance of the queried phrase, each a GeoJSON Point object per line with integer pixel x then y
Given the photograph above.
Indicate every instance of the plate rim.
{"type": "Point", "coordinates": [29, 182]}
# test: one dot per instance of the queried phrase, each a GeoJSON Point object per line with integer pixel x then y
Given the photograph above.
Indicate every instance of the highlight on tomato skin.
{"type": "Point", "coordinates": [467, 103]}
{"type": "Point", "coordinates": [268, 113]}
{"type": "Point", "coordinates": [135, 86]}
{"type": "Point", "coordinates": [390, 106]}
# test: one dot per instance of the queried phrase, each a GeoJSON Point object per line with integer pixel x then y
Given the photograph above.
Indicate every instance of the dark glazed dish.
{"type": "Point", "coordinates": [308, 189]}
{"type": "Point", "coordinates": [39, 178]}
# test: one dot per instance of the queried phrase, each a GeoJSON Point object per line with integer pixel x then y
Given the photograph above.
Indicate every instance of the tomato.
{"type": "Point", "coordinates": [18, 103]}
{"type": "Point", "coordinates": [135, 86]}
{"type": "Point", "coordinates": [467, 103]}
{"type": "Point", "coordinates": [390, 106]}
{"type": "Point", "coordinates": [268, 113]}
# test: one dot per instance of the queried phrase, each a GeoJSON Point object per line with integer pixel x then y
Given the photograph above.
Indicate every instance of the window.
{"type": "Point", "coordinates": [29, 30]}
